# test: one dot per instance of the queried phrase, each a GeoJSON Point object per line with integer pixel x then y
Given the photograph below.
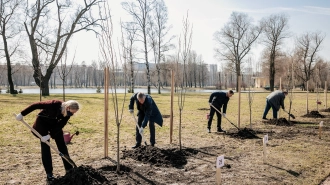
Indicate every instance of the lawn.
{"type": "Point", "coordinates": [294, 154]}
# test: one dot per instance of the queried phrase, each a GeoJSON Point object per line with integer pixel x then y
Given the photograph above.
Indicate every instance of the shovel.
{"type": "Point", "coordinates": [226, 118]}
{"type": "Point", "coordinates": [239, 130]}
{"type": "Point", "coordinates": [66, 157]}
{"type": "Point", "coordinates": [291, 115]}
{"type": "Point", "coordinates": [137, 125]}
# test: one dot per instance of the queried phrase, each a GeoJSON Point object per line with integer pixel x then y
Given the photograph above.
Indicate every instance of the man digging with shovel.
{"type": "Point", "coordinates": [218, 100]}
{"type": "Point", "coordinates": [148, 112]}
{"type": "Point", "coordinates": [53, 116]}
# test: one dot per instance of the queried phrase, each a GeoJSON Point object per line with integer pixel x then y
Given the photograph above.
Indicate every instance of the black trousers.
{"type": "Point", "coordinates": [212, 111]}
{"type": "Point", "coordinates": [47, 157]}
{"type": "Point", "coordinates": [152, 130]}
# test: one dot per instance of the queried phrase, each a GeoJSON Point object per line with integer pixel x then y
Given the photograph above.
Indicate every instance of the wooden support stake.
{"type": "Point", "coordinates": [325, 94]}
{"type": "Point", "coordinates": [307, 97]}
{"type": "Point", "coordinates": [239, 102]}
{"type": "Point", "coordinates": [172, 97]}
{"type": "Point", "coordinates": [218, 176]}
{"type": "Point", "coordinates": [106, 108]}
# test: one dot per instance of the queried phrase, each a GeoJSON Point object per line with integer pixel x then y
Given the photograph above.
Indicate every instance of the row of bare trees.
{"type": "Point", "coordinates": [39, 33]}
{"type": "Point", "coordinates": [237, 37]}
{"type": "Point", "coordinates": [47, 26]}
{"type": "Point", "coordinates": [91, 76]}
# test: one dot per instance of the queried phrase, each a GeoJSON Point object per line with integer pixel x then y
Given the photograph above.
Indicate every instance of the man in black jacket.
{"type": "Point", "coordinates": [218, 100]}
{"type": "Point", "coordinates": [148, 112]}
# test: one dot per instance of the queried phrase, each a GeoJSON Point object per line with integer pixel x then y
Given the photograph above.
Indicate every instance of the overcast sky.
{"type": "Point", "coordinates": [209, 16]}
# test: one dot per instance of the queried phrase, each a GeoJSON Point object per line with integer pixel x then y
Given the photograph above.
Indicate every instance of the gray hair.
{"type": "Point", "coordinates": [72, 104]}
{"type": "Point", "coordinates": [141, 96]}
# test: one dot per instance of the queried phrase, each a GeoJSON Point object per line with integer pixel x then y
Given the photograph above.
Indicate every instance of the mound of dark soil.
{"type": "Point", "coordinates": [160, 157]}
{"type": "Point", "coordinates": [279, 122]}
{"type": "Point", "coordinates": [325, 110]}
{"type": "Point", "coordinates": [245, 133]}
{"type": "Point", "coordinates": [313, 114]}
{"type": "Point", "coordinates": [81, 175]}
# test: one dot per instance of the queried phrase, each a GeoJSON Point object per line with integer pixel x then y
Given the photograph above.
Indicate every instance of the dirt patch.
{"type": "Point", "coordinates": [279, 122]}
{"type": "Point", "coordinates": [166, 116]}
{"type": "Point", "coordinates": [325, 110]}
{"type": "Point", "coordinates": [82, 175]}
{"type": "Point", "coordinates": [313, 114]}
{"type": "Point", "coordinates": [203, 109]}
{"type": "Point", "coordinates": [245, 133]}
{"type": "Point", "coordinates": [160, 157]}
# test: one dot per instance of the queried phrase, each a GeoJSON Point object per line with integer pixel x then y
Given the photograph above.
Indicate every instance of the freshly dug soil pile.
{"type": "Point", "coordinates": [81, 175]}
{"type": "Point", "coordinates": [160, 157]}
{"type": "Point", "coordinates": [325, 110]}
{"type": "Point", "coordinates": [279, 122]}
{"type": "Point", "coordinates": [245, 133]}
{"type": "Point", "coordinates": [314, 114]}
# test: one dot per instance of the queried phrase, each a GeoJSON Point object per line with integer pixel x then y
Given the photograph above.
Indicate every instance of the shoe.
{"type": "Point", "coordinates": [264, 118]}
{"type": "Point", "coordinates": [209, 130]}
{"type": "Point", "coordinates": [50, 177]}
{"type": "Point", "coordinates": [152, 144]}
{"type": "Point", "coordinates": [137, 145]}
{"type": "Point", "coordinates": [220, 130]}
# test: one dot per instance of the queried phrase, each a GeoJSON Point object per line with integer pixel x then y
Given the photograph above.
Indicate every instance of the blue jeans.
{"type": "Point", "coordinates": [268, 106]}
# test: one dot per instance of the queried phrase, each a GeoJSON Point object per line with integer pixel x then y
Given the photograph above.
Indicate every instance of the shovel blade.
{"type": "Point", "coordinates": [292, 116]}
{"type": "Point", "coordinates": [68, 159]}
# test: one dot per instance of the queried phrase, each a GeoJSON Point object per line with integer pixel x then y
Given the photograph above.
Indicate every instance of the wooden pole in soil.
{"type": "Point", "coordinates": [106, 107]}
{"type": "Point", "coordinates": [219, 163]}
{"type": "Point", "coordinates": [317, 96]}
{"type": "Point", "coordinates": [325, 94]}
{"type": "Point", "coordinates": [239, 102]}
{"type": "Point", "coordinates": [172, 97]}
{"type": "Point", "coordinates": [218, 176]}
{"type": "Point", "coordinates": [320, 129]}
{"type": "Point", "coordinates": [307, 97]}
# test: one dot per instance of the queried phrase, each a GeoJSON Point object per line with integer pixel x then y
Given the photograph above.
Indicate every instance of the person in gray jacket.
{"type": "Point", "coordinates": [274, 100]}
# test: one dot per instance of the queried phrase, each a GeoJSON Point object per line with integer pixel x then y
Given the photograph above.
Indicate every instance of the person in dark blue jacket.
{"type": "Point", "coordinates": [218, 100]}
{"type": "Point", "coordinates": [147, 112]}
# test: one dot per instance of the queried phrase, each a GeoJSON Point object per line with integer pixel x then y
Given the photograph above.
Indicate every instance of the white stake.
{"type": "Point", "coordinates": [320, 129]}
{"type": "Point", "coordinates": [219, 163]}
{"type": "Point", "coordinates": [265, 141]}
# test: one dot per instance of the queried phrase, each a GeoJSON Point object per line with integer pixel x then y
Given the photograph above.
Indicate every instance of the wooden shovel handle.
{"type": "Point", "coordinates": [48, 143]}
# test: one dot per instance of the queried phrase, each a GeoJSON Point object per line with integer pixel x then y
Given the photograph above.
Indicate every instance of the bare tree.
{"type": "Point", "coordinates": [49, 35]}
{"type": "Point", "coordinates": [157, 33]}
{"type": "Point", "coordinates": [275, 31]}
{"type": "Point", "coordinates": [64, 71]}
{"type": "Point", "coordinates": [184, 50]}
{"type": "Point", "coordinates": [140, 13]}
{"type": "Point", "coordinates": [307, 48]}
{"type": "Point", "coordinates": [235, 40]}
{"type": "Point", "coordinates": [9, 30]}
{"type": "Point", "coordinates": [112, 56]}
{"type": "Point", "coordinates": [130, 33]}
